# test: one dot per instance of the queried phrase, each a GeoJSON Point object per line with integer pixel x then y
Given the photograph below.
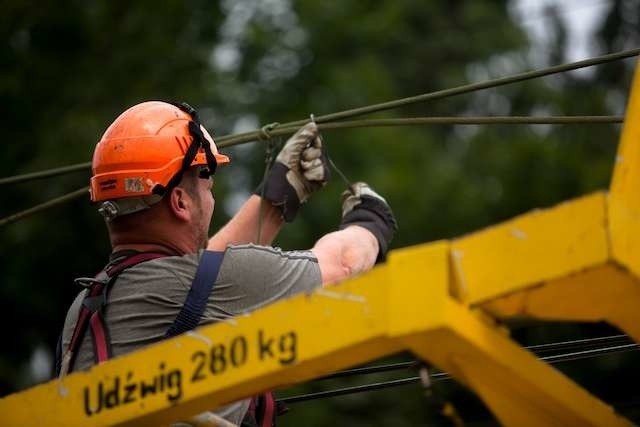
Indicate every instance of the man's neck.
{"type": "Point", "coordinates": [151, 247]}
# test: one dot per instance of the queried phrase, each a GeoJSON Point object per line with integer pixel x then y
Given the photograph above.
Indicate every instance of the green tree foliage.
{"type": "Point", "coordinates": [68, 69]}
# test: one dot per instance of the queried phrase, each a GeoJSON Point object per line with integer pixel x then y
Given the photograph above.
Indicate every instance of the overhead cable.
{"type": "Point", "coordinates": [537, 349]}
{"type": "Point", "coordinates": [45, 174]}
{"type": "Point", "coordinates": [415, 121]}
{"type": "Point", "coordinates": [472, 87]}
{"type": "Point", "coordinates": [231, 140]}
{"type": "Point", "coordinates": [43, 206]}
{"type": "Point", "coordinates": [324, 126]}
{"type": "Point", "coordinates": [228, 140]}
{"type": "Point", "coordinates": [442, 376]}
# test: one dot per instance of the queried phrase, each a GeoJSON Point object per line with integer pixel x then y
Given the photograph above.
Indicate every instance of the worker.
{"type": "Point", "coordinates": [152, 178]}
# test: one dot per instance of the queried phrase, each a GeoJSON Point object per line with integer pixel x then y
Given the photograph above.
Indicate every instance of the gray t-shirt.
{"type": "Point", "coordinates": [147, 297]}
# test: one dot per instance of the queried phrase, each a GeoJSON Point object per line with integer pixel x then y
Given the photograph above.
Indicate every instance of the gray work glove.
{"type": "Point", "coordinates": [364, 207]}
{"type": "Point", "coordinates": [300, 169]}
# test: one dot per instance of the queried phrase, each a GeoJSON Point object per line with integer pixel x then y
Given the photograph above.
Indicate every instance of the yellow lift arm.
{"type": "Point", "coordinates": [577, 261]}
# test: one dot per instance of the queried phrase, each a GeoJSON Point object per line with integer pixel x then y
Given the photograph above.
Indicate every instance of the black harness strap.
{"type": "Point", "coordinates": [263, 408]}
{"type": "Point", "coordinates": [196, 301]}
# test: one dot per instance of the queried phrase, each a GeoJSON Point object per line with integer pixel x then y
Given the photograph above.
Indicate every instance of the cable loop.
{"type": "Point", "coordinates": [265, 131]}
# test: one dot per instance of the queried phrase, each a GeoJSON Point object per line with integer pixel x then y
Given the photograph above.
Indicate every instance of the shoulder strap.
{"type": "Point", "coordinates": [196, 301]}
{"type": "Point", "coordinates": [263, 410]}
{"type": "Point", "coordinates": [91, 312]}
{"type": "Point", "coordinates": [266, 416]}
{"type": "Point", "coordinates": [115, 268]}
{"type": "Point", "coordinates": [87, 309]}
{"type": "Point", "coordinates": [99, 330]}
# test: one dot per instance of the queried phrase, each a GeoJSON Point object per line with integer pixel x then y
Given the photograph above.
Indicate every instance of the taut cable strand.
{"type": "Point", "coordinates": [270, 130]}
{"type": "Point", "coordinates": [46, 205]}
{"type": "Point", "coordinates": [415, 121]}
{"type": "Point", "coordinates": [265, 134]}
{"type": "Point", "coordinates": [528, 75]}
{"type": "Point", "coordinates": [538, 349]}
{"type": "Point", "coordinates": [46, 173]}
{"type": "Point", "coordinates": [228, 140]}
{"type": "Point", "coordinates": [442, 376]}
{"type": "Point", "coordinates": [350, 124]}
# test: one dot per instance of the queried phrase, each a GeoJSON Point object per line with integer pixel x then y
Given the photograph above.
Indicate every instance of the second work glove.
{"type": "Point", "coordinates": [364, 207]}
{"type": "Point", "coordinates": [300, 169]}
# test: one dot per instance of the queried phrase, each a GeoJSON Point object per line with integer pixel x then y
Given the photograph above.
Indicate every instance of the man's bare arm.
{"type": "Point", "coordinates": [243, 227]}
{"type": "Point", "coordinates": [366, 231]}
{"type": "Point", "coordinates": [345, 253]}
{"type": "Point", "coordinates": [298, 171]}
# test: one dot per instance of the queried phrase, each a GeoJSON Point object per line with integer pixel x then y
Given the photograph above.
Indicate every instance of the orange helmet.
{"type": "Point", "coordinates": [144, 153]}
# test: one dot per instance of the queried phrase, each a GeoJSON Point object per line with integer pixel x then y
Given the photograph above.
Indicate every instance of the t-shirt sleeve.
{"type": "Point", "coordinates": [253, 276]}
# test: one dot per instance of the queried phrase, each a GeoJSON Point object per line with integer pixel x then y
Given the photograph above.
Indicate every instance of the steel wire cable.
{"type": "Point", "coordinates": [228, 140]}
{"type": "Point", "coordinates": [537, 349]}
{"type": "Point", "coordinates": [44, 206]}
{"type": "Point", "coordinates": [414, 121]}
{"type": "Point", "coordinates": [443, 376]}
{"type": "Point", "coordinates": [286, 128]}
{"type": "Point", "coordinates": [45, 173]}
{"type": "Point", "coordinates": [324, 126]}
{"type": "Point", "coordinates": [472, 87]}
{"type": "Point", "coordinates": [406, 121]}
{"type": "Point", "coordinates": [580, 344]}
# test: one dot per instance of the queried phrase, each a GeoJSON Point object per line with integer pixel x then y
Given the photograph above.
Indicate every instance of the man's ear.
{"type": "Point", "coordinates": [180, 204]}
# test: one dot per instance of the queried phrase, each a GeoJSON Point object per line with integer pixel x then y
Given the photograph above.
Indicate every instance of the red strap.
{"type": "Point", "coordinates": [115, 269]}
{"type": "Point", "coordinates": [100, 340]}
{"type": "Point", "coordinates": [81, 324]}
{"type": "Point", "coordinates": [269, 410]}
{"type": "Point", "coordinates": [86, 317]}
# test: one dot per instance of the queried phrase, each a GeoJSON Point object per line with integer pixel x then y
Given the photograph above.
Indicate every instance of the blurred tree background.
{"type": "Point", "coordinates": [68, 69]}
